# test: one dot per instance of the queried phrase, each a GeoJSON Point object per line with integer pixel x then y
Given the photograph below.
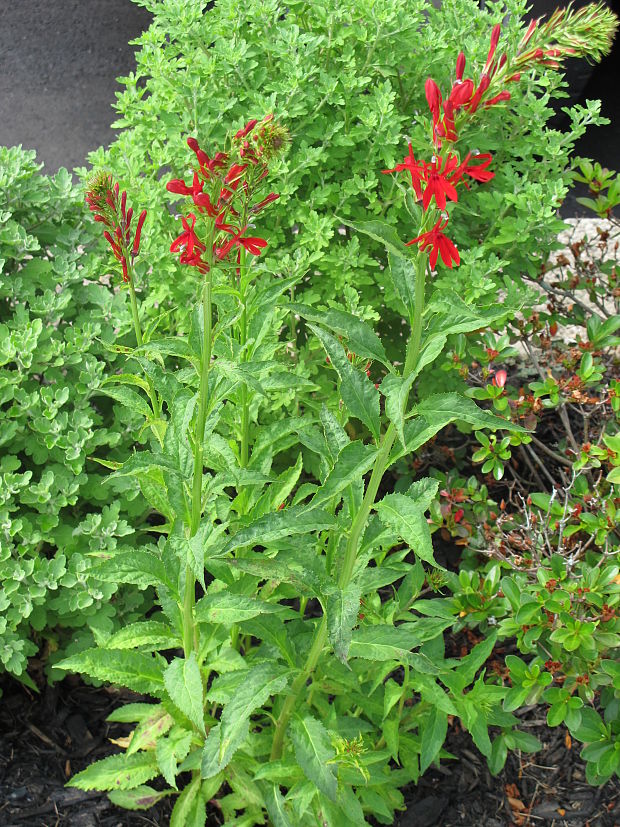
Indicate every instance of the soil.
{"type": "Point", "coordinates": [47, 738]}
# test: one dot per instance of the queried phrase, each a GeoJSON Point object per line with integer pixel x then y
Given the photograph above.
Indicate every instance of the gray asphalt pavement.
{"type": "Point", "coordinates": [58, 64]}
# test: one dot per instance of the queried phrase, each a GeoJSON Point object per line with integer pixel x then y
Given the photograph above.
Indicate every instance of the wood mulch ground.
{"type": "Point", "coordinates": [48, 738]}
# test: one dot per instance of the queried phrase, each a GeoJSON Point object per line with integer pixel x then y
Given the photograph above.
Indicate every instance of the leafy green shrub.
{"type": "Point", "coordinates": [348, 80]}
{"type": "Point", "coordinates": [56, 316]}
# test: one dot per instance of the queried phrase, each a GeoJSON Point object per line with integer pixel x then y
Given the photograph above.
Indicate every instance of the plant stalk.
{"type": "Point", "coordinates": [190, 580]}
{"type": "Point", "coordinates": [379, 468]}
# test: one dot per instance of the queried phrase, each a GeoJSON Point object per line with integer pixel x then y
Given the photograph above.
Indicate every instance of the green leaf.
{"type": "Point", "coordinates": [407, 519]}
{"type": "Point", "coordinates": [184, 685]}
{"type": "Point", "coordinates": [130, 399]}
{"type": "Point", "coordinates": [386, 643]}
{"type": "Point", "coordinates": [361, 338]}
{"type": "Point", "coordinates": [150, 729]}
{"type": "Point", "coordinates": [189, 809]}
{"type": "Point", "coordinates": [450, 315]}
{"type": "Point", "coordinates": [383, 233]}
{"type": "Point", "coordinates": [117, 772]}
{"type": "Point", "coordinates": [136, 670]}
{"type": "Point", "coordinates": [335, 435]}
{"type": "Point", "coordinates": [403, 273]}
{"type": "Point", "coordinates": [342, 610]}
{"type": "Point", "coordinates": [151, 633]}
{"type": "Point", "coordinates": [228, 608]}
{"type": "Point", "coordinates": [141, 568]}
{"type": "Point", "coordinates": [433, 737]}
{"type": "Point", "coordinates": [313, 750]}
{"type": "Point", "coordinates": [297, 519]}
{"type": "Point", "coordinates": [353, 461]}
{"type": "Point", "coordinates": [358, 392]}
{"type": "Point", "coordinates": [262, 681]}
{"type": "Point", "coordinates": [141, 798]}
{"type": "Point", "coordinates": [448, 407]}
{"type": "Point", "coordinates": [275, 806]}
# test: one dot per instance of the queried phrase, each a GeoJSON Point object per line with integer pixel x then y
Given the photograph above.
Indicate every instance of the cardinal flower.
{"type": "Point", "coordinates": [440, 243]}
{"type": "Point", "coordinates": [416, 169]}
{"type": "Point", "coordinates": [190, 246]}
{"type": "Point", "coordinates": [440, 182]}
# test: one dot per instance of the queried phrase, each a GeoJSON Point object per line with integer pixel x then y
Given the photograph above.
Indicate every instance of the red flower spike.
{"type": "Point", "coordinates": [136, 240]}
{"type": "Point", "coordinates": [460, 66]}
{"type": "Point", "coordinates": [440, 244]}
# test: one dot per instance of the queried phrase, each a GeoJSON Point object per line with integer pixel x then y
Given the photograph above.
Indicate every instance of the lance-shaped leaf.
{"type": "Point", "coordinates": [433, 737]}
{"type": "Point", "coordinates": [117, 772]}
{"type": "Point", "coordinates": [275, 805]}
{"type": "Point", "coordinates": [342, 610]}
{"type": "Point", "coordinates": [136, 670]}
{"type": "Point", "coordinates": [391, 643]}
{"type": "Point", "coordinates": [313, 750]}
{"type": "Point", "coordinates": [297, 519]}
{"type": "Point", "coordinates": [228, 608]}
{"type": "Point", "coordinates": [358, 392]}
{"type": "Point", "coordinates": [408, 520]}
{"type": "Point", "coordinates": [127, 397]}
{"type": "Point", "coordinates": [141, 798]}
{"type": "Point", "coordinates": [402, 271]}
{"type": "Point", "coordinates": [142, 568]}
{"type": "Point", "coordinates": [335, 435]}
{"type": "Point", "coordinates": [150, 729]}
{"type": "Point", "coordinates": [361, 338]}
{"type": "Point", "coordinates": [262, 681]}
{"type": "Point", "coordinates": [147, 633]}
{"type": "Point", "coordinates": [352, 463]}
{"type": "Point", "coordinates": [449, 407]}
{"type": "Point", "coordinates": [450, 314]}
{"type": "Point", "coordinates": [184, 685]}
{"type": "Point", "coordinates": [383, 233]}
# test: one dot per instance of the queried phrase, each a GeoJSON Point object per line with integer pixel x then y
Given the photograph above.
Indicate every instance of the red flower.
{"type": "Point", "coordinates": [477, 167]}
{"type": "Point", "coordinates": [252, 244]}
{"type": "Point", "coordinates": [416, 168]}
{"type": "Point", "coordinates": [439, 184]}
{"type": "Point", "coordinates": [499, 380]}
{"type": "Point", "coordinates": [440, 243]}
{"type": "Point", "coordinates": [190, 245]}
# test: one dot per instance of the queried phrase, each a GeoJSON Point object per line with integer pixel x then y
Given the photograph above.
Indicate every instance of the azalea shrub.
{"type": "Point", "coordinates": [57, 314]}
{"type": "Point", "coordinates": [296, 672]}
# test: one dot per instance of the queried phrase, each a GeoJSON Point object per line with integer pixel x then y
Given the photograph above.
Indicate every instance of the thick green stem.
{"type": "Point", "coordinates": [203, 395]}
{"type": "Point", "coordinates": [243, 338]}
{"type": "Point", "coordinates": [379, 468]}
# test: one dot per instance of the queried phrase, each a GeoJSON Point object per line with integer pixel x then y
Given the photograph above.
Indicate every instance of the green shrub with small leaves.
{"type": "Point", "coordinates": [58, 317]}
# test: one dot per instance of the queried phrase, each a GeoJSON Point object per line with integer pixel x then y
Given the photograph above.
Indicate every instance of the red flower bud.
{"type": "Point", "coordinates": [433, 96]}
{"type": "Point", "coordinates": [136, 240]}
{"type": "Point", "coordinates": [499, 380]}
{"type": "Point", "coordinates": [460, 66]}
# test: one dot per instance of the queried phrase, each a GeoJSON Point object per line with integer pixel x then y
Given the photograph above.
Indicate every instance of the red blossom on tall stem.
{"type": "Point", "coordinates": [440, 244]}
{"type": "Point", "coordinates": [109, 207]}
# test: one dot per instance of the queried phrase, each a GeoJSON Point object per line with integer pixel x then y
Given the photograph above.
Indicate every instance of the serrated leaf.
{"type": "Point", "coordinates": [184, 685]}
{"type": "Point", "coordinates": [262, 681]}
{"type": "Point", "coordinates": [186, 812]}
{"type": "Point", "coordinates": [141, 798]}
{"type": "Point", "coordinates": [146, 734]}
{"type": "Point", "coordinates": [117, 772]}
{"type": "Point", "coordinates": [296, 519]}
{"type": "Point", "coordinates": [127, 397]}
{"type": "Point", "coordinates": [449, 407]}
{"type": "Point", "coordinates": [387, 643]}
{"type": "Point", "coordinates": [383, 233]}
{"type": "Point", "coordinates": [403, 273]}
{"type": "Point", "coordinates": [335, 435]}
{"type": "Point", "coordinates": [275, 806]}
{"type": "Point", "coordinates": [353, 461]}
{"type": "Point", "coordinates": [342, 610]}
{"type": "Point", "coordinates": [408, 520]}
{"type": "Point", "coordinates": [433, 737]}
{"type": "Point", "coordinates": [141, 568]}
{"type": "Point", "coordinates": [151, 633]}
{"type": "Point", "coordinates": [358, 392]}
{"type": "Point", "coordinates": [169, 751]}
{"type": "Point", "coordinates": [227, 608]}
{"type": "Point", "coordinates": [361, 338]}
{"type": "Point", "coordinates": [136, 670]}
{"type": "Point", "coordinates": [313, 750]}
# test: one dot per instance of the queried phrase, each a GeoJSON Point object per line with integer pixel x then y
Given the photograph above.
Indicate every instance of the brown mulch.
{"type": "Point", "coordinates": [46, 739]}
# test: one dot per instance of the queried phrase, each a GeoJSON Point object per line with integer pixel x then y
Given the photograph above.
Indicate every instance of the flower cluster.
{"type": "Point", "coordinates": [222, 191]}
{"type": "Point", "coordinates": [109, 207]}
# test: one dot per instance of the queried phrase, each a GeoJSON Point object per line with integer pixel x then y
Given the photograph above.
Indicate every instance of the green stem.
{"type": "Point", "coordinates": [380, 466]}
{"type": "Point", "coordinates": [189, 599]}
{"type": "Point", "coordinates": [243, 338]}
{"type": "Point", "coordinates": [140, 341]}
